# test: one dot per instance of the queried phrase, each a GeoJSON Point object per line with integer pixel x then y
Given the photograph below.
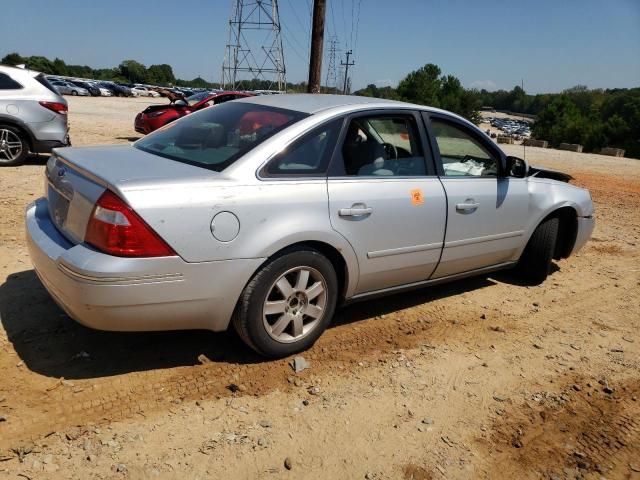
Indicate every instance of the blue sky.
{"type": "Point", "coordinates": [552, 44]}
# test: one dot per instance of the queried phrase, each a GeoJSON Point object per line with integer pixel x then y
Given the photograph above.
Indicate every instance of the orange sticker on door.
{"type": "Point", "coordinates": [416, 197]}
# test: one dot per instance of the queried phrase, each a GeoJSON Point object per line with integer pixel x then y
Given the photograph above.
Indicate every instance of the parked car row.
{"type": "Point", "coordinates": [95, 88]}
{"type": "Point", "coordinates": [511, 126]}
{"type": "Point", "coordinates": [74, 86]}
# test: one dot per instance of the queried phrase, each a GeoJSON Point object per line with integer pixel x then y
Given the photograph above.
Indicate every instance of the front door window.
{"type": "Point", "coordinates": [461, 153]}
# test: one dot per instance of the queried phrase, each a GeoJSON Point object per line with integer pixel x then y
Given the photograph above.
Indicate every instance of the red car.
{"type": "Point", "coordinates": [155, 116]}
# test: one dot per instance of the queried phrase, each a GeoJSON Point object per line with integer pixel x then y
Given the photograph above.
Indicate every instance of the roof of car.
{"type": "Point", "coordinates": [18, 70]}
{"type": "Point", "coordinates": [313, 103]}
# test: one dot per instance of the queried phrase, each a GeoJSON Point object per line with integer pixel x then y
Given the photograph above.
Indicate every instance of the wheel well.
{"type": "Point", "coordinates": [334, 256]}
{"type": "Point", "coordinates": [567, 231]}
{"type": "Point", "coordinates": [23, 131]}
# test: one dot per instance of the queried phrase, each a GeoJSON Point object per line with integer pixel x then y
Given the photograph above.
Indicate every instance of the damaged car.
{"type": "Point", "coordinates": [155, 116]}
{"type": "Point", "coordinates": [267, 213]}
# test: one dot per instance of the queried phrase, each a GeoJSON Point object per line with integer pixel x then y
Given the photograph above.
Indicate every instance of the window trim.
{"type": "Point", "coordinates": [264, 174]}
{"type": "Point", "coordinates": [473, 132]}
{"type": "Point", "coordinates": [336, 165]}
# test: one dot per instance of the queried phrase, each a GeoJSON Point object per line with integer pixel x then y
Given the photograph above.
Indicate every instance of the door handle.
{"type": "Point", "coordinates": [467, 206]}
{"type": "Point", "coordinates": [355, 211]}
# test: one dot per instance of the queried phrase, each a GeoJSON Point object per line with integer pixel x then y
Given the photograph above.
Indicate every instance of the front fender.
{"type": "Point", "coordinates": [548, 196]}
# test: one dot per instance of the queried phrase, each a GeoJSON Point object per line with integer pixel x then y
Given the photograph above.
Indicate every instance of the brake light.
{"type": "Point", "coordinates": [57, 107]}
{"type": "Point", "coordinates": [115, 228]}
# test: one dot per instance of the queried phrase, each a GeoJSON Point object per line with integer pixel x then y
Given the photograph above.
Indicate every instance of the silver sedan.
{"type": "Point", "coordinates": [268, 212]}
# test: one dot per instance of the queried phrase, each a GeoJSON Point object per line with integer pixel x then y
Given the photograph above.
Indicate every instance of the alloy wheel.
{"type": "Point", "coordinates": [295, 304]}
{"type": "Point", "coordinates": [10, 146]}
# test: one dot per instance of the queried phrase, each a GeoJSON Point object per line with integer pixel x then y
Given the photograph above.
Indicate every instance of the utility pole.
{"type": "Point", "coordinates": [346, 70]}
{"type": "Point", "coordinates": [317, 40]}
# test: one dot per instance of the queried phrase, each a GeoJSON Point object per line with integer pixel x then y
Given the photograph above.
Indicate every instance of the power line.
{"type": "Point", "coordinates": [355, 46]}
{"type": "Point", "coordinates": [352, 20]}
{"type": "Point", "coordinates": [305, 28]}
{"type": "Point", "coordinates": [344, 22]}
{"type": "Point", "coordinates": [293, 46]}
{"type": "Point", "coordinates": [333, 18]}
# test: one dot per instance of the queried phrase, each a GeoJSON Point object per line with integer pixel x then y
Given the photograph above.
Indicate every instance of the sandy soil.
{"type": "Point", "coordinates": [483, 378]}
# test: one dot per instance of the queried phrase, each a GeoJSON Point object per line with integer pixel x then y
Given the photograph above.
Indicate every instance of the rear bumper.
{"type": "Point", "coordinates": [585, 229]}
{"type": "Point", "coordinates": [45, 146]}
{"type": "Point", "coordinates": [133, 294]}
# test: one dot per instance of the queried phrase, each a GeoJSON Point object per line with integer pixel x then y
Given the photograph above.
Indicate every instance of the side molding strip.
{"type": "Point", "coordinates": [401, 250]}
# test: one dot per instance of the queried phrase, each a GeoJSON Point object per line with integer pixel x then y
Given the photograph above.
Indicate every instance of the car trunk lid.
{"type": "Point", "coordinates": [76, 177]}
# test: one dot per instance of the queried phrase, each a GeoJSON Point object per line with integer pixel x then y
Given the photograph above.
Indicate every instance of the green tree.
{"type": "Point", "coordinates": [133, 71]}
{"type": "Point", "coordinates": [12, 59]}
{"type": "Point", "coordinates": [422, 86]}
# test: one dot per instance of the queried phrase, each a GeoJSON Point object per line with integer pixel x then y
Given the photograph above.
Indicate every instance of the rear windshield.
{"type": "Point", "coordinates": [216, 137]}
{"type": "Point", "coordinates": [43, 80]}
{"type": "Point", "coordinates": [193, 99]}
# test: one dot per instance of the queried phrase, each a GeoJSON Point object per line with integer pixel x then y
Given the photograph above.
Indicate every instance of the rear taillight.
{"type": "Point", "coordinates": [114, 228]}
{"type": "Point", "coordinates": [57, 107]}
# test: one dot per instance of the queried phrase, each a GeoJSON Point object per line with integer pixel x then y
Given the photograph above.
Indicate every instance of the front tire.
{"type": "Point", "coordinates": [74, 93]}
{"type": "Point", "coordinates": [288, 304]}
{"type": "Point", "coordinates": [535, 262]}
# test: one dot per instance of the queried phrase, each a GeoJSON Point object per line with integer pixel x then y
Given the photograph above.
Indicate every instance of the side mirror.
{"type": "Point", "coordinates": [517, 167]}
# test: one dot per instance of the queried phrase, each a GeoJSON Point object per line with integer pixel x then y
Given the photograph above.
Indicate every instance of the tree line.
{"type": "Point", "coordinates": [594, 118]}
{"type": "Point", "coordinates": [132, 71]}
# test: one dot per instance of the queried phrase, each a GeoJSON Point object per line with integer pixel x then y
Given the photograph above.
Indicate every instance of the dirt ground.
{"type": "Point", "coordinates": [483, 378]}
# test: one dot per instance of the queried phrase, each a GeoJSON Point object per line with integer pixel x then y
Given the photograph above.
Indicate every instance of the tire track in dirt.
{"type": "Point", "coordinates": [585, 428]}
{"type": "Point", "coordinates": [64, 404]}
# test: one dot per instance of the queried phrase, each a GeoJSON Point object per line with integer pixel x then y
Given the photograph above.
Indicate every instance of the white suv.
{"type": "Point", "coordinates": [33, 116]}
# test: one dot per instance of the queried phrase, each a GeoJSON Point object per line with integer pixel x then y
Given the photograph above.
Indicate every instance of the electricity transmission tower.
{"type": "Point", "coordinates": [254, 49]}
{"type": "Point", "coordinates": [332, 73]}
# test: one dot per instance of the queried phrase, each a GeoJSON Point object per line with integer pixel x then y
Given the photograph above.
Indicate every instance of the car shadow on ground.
{"type": "Point", "coordinates": [52, 344]}
{"type": "Point", "coordinates": [34, 159]}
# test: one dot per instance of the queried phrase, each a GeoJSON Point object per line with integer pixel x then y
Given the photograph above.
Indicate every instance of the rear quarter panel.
{"type": "Point", "coordinates": [272, 216]}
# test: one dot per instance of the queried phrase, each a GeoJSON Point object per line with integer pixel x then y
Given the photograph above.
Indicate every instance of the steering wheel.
{"type": "Point", "coordinates": [389, 148]}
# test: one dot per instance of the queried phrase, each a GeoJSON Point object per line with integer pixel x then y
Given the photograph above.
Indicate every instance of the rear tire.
{"type": "Point", "coordinates": [74, 93]}
{"type": "Point", "coordinates": [14, 147]}
{"type": "Point", "coordinates": [535, 262]}
{"type": "Point", "coordinates": [288, 304]}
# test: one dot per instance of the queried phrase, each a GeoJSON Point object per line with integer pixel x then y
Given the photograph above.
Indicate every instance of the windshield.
{"type": "Point", "coordinates": [198, 97]}
{"type": "Point", "coordinates": [214, 138]}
